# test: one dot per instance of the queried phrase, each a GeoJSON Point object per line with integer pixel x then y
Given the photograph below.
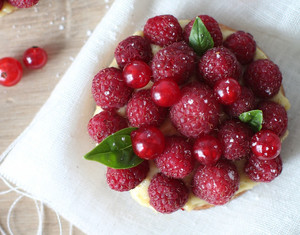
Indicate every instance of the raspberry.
{"type": "Point", "coordinates": [1, 4]}
{"type": "Point", "coordinates": [23, 3]}
{"type": "Point", "coordinates": [104, 124]}
{"type": "Point", "coordinates": [133, 48]}
{"type": "Point", "coordinates": [274, 117]}
{"type": "Point", "coordinates": [141, 110]}
{"type": "Point", "coordinates": [245, 102]}
{"type": "Point", "coordinates": [163, 30]}
{"type": "Point", "coordinates": [216, 184]}
{"type": "Point", "coordinates": [235, 138]}
{"type": "Point", "coordinates": [126, 179]}
{"type": "Point", "coordinates": [218, 63]}
{"type": "Point", "coordinates": [197, 112]}
{"type": "Point", "coordinates": [176, 161]}
{"type": "Point", "coordinates": [264, 78]}
{"type": "Point", "coordinates": [263, 170]}
{"type": "Point", "coordinates": [109, 89]}
{"type": "Point", "coordinates": [166, 194]}
{"type": "Point", "coordinates": [211, 25]}
{"type": "Point", "coordinates": [242, 45]}
{"type": "Point", "coordinates": [176, 61]}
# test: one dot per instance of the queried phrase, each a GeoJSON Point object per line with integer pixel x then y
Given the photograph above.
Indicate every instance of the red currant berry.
{"type": "Point", "coordinates": [11, 71]}
{"type": "Point", "coordinates": [265, 145]}
{"type": "Point", "coordinates": [165, 92]}
{"type": "Point", "coordinates": [207, 150]}
{"type": "Point", "coordinates": [137, 74]}
{"type": "Point", "coordinates": [227, 90]}
{"type": "Point", "coordinates": [35, 58]}
{"type": "Point", "coordinates": [148, 142]}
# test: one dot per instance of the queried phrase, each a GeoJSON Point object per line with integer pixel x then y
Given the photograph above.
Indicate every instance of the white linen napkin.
{"type": "Point", "coordinates": [47, 159]}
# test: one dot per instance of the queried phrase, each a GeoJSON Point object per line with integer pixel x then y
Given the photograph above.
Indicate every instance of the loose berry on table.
{"type": "Point", "coordinates": [227, 90]}
{"type": "Point", "coordinates": [263, 170]}
{"type": "Point", "coordinates": [133, 48]}
{"type": "Point", "coordinates": [137, 74]}
{"type": "Point", "coordinates": [126, 179]}
{"type": "Point", "coordinates": [176, 61]}
{"type": "Point", "coordinates": [167, 194]}
{"type": "Point", "coordinates": [264, 78]}
{"type": "Point", "coordinates": [35, 58]}
{"type": "Point", "coordinates": [23, 3]}
{"type": "Point", "coordinates": [165, 92]}
{"type": "Point", "coordinates": [11, 71]}
{"type": "Point", "coordinates": [109, 89]}
{"type": "Point", "coordinates": [163, 30]}
{"type": "Point", "coordinates": [148, 142]}
{"type": "Point", "coordinates": [235, 138]}
{"type": "Point", "coordinates": [242, 45]}
{"type": "Point", "coordinates": [266, 145]}
{"type": "Point", "coordinates": [176, 160]}
{"type": "Point", "coordinates": [211, 25]}
{"type": "Point", "coordinates": [207, 150]}
{"type": "Point", "coordinates": [216, 184]}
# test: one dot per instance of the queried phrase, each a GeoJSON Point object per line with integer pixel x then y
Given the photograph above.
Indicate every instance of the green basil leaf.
{"type": "Point", "coordinates": [200, 39]}
{"type": "Point", "coordinates": [116, 151]}
{"type": "Point", "coordinates": [254, 118]}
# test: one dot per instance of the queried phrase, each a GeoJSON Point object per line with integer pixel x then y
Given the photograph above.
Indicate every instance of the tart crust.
{"type": "Point", "coordinates": [6, 9]}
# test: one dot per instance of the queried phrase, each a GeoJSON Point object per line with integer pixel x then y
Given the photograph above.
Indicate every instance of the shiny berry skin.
{"type": "Point", "coordinates": [137, 74]}
{"type": "Point", "coordinates": [265, 145]}
{"type": "Point", "coordinates": [147, 142]}
{"type": "Point", "coordinates": [126, 179]}
{"type": "Point", "coordinates": [35, 58]}
{"type": "Point", "coordinates": [165, 92]}
{"type": "Point", "coordinates": [167, 194]}
{"type": "Point", "coordinates": [11, 71]}
{"type": "Point", "coordinates": [23, 3]}
{"type": "Point", "coordinates": [263, 170]}
{"type": "Point", "coordinates": [227, 90]}
{"type": "Point", "coordinates": [207, 150]}
{"type": "Point", "coordinates": [216, 184]}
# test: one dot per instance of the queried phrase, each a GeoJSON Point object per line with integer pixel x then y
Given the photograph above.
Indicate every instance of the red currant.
{"type": "Point", "coordinates": [207, 150]}
{"type": "Point", "coordinates": [137, 74]}
{"type": "Point", "coordinates": [11, 71]}
{"type": "Point", "coordinates": [148, 142]}
{"type": "Point", "coordinates": [227, 90]}
{"type": "Point", "coordinates": [265, 145]}
{"type": "Point", "coordinates": [165, 92]}
{"type": "Point", "coordinates": [35, 58]}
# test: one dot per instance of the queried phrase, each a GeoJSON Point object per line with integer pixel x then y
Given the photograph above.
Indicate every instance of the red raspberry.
{"type": "Point", "coordinates": [109, 89]}
{"type": "Point", "coordinates": [104, 124]}
{"type": "Point", "coordinates": [211, 25]}
{"type": "Point", "coordinates": [216, 184]}
{"type": "Point", "coordinates": [235, 138]}
{"type": "Point", "coordinates": [274, 117]}
{"type": "Point", "coordinates": [218, 63]}
{"type": "Point", "coordinates": [141, 110]}
{"type": "Point", "coordinates": [166, 194]}
{"type": "Point", "coordinates": [1, 4]}
{"type": "Point", "coordinates": [263, 170]}
{"type": "Point", "coordinates": [245, 102]}
{"type": "Point", "coordinates": [176, 161]}
{"type": "Point", "coordinates": [126, 179]}
{"type": "Point", "coordinates": [163, 30]}
{"type": "Point", "coordinates": [177, 61]}
{"type": "Point", "coordinates": [133, 48]}
{"type": "Point", "coordinates": [197, 112]}
{"type": "Point", "coordinates": [264, 78]}
{"type": "Point", "coordinates": [242, 45]}
{"type": "Point", "coordinates": [23, 3]}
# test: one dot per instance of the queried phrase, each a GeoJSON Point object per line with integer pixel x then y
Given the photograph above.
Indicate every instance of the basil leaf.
{"type": "Point", "coordinates": [254, 118]}
{"type": "Point", "coordinates": [116, 151]}
{"type": "Point", "coordinates": [200, 39]}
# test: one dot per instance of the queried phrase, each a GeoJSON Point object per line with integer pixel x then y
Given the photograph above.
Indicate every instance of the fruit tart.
{"type": "Point", "coordinates": [190, 114]}
{"type": "Point", "coordinates": [8, 6]}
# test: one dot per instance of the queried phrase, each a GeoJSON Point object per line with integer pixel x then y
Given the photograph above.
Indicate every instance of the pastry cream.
{"type": "Point", "coordinates": [6, 9]}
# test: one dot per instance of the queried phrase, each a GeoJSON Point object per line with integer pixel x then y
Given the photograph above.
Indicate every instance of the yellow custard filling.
{"type": "Point", "coordinates": [6, 9]}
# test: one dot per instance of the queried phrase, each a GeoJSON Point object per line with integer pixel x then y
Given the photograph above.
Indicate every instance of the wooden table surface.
{"type": "Point", "coordinates": [61, 27]}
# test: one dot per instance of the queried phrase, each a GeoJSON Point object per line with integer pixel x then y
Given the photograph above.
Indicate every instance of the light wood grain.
{"type": "Point", "coordinates": [61, 27]}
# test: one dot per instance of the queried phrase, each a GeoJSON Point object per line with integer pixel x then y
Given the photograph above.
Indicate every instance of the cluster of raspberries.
{"type": "Point", "coordinates": [201, 97]}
